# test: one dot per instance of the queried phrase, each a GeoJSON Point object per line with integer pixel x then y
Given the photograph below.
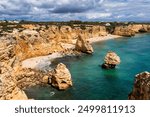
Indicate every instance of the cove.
{"type": "Point", "coordinates": [91, 82]}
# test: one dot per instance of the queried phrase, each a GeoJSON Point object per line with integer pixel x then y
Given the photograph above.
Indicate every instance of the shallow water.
{"type": "Point", "coordinates": [90, 81]}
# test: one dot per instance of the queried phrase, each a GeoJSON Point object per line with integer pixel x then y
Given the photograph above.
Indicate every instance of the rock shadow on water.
{"type": "Point", "coordinates": [47, 92]}
{"type": "Point", "coordinates": [110, 74]}
{"type": "Point", "coordinates": [39, 92]}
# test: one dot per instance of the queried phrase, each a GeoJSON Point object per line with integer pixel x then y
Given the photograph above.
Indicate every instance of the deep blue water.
{"type": "Point", "coordinates": [91, 82]}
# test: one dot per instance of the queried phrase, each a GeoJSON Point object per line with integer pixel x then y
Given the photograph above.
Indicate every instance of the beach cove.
{"type": "Point", "coordinates": [92, 82]}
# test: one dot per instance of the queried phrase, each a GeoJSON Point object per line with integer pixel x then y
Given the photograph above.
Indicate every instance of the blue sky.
{"type": "Point", "coordinates": [86, 10]}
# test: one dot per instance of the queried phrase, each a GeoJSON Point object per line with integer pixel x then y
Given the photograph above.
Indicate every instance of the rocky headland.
{"type": "Point", "coordinates": [21, 42]}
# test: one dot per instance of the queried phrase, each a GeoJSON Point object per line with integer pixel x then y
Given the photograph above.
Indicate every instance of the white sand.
{"type": "Point", "coordinates": [103, 38]}
{"type": "Point", "coordinates": [44, 62]}
{"type": "Point", "coordinates": [41, 62]}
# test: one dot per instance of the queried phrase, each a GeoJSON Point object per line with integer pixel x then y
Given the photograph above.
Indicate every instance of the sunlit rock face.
{"type": "Point", "coordinates": [131, 30]}
{"type": "Point", "coordinates": [124, 31]}
{"type": "Point", "coordinates": [141, 88]}
{"type": "Point", "coordinates": [61, 77]}
{"type": "Point", "coordinates": [111, 60]}
{"type": "Point", "coordinates": [83, 45]}
{"type": "Point", "coordinates": [99, 31]}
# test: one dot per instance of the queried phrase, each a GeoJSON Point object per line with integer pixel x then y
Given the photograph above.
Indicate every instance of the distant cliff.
{"type": "Point", "coordinates": [131, 30]}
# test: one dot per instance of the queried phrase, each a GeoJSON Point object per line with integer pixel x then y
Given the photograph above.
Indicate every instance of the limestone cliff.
{"type": "Point", "coordinates": [131, 30]}
{"type": "Point", "coordinates": [61, 77]}
{"type": "Point", "coordinates": [83, 45]}
{"type": "Point", "coordinates": [124, 31]}
{"type": "Point", "coordinates": [99, 31]}
{"type": "Point", "coordinates": [141, 88]}
{"type": "Point", "coordinates": [36, 40]}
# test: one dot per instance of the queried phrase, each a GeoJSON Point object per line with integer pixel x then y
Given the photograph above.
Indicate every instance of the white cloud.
{"type": "Point", "coordinates": [97, 15]}
{"type": "Point", "coordinates": [114, 4]}
{"type": "Point", "coordinates": [140, 15]}
{"type": "Point", "coordinates": [75, 9]}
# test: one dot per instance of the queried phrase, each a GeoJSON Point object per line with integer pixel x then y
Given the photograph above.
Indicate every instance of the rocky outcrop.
{"type": "Point", "coordinates": [17, 94]}
{"type": "Point", "coordinates": [136, 27]}
{"type": "Point", "coordinates": [99, 31]}
{"type": "Point", "coordinates": [37, 44]}
{"type": "Point", "coordinates": [14, 81]}
{"type": "Point", "coordinates": [9, 89]}
{"type": "Point", "coordinates": [29, 77]}
{"type": "Point", "coordinates": [140, 28]}
{"type": "Point", "coordinates": [66, 34]}
{"type": "Point", "coordinates": [111, 60]}
{"type": "Point", "coordinates": [124, 31]}
{"type": "Point", "coordinates": [61, 77]}
{"type": "Point", "coordinates": [145, 28]}
{"type": "Point", "coordinates": [7, 45]}
{"type": "Point", "coordinates": [83, 45]}
{"type": "Point", "coordinates": [141, 88]}
{"type": "Point", "coordinates": [131, 30]}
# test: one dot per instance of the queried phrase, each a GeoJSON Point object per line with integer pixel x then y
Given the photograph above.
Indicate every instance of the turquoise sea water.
{"type": "Point", "coordinates": [91, 82]}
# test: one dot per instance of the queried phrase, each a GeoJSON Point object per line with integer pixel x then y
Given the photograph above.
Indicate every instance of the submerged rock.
{"type": "Point", "coordinates": [61, 77]}
{"type": "Point", "coordinates": [141, 89]}
{"type": "Point", "coordinates": [111, 60]}
{"type": "Point", "coordinates": [83, 45]}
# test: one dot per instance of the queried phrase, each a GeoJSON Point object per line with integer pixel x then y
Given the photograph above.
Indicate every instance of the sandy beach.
{"type": "Point", "coordinates": [41, 62]}
{"type": "Point", "coordinates": [103, 38]}
{"type": "Point", "coordinates": [44, 62]}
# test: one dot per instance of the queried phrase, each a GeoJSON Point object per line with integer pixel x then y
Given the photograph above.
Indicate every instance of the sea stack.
{"type": "Point", "coordinates": [111, 60]}
{"type": "Point", "coordinates": [83, 45]}
{"type": "Point", "coordinates": [141, 88]}
{"type": "Point", "coordinates": [61, 77]}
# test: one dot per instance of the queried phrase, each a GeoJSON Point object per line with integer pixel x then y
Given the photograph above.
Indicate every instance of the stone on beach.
{"type": "Point", "coordinates": [111, 60]}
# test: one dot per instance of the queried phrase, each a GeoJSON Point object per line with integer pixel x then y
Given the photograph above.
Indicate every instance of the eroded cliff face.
{"type": "Point", "coordinates": [83, 45]}
{"type": "Point", "coordinates": [98, 31]}
{"type": "Point", "coordinates": [61, 77]}
{"type": "Point", "coordinates": [8, 64]}
{"type": "Point", "coordinates": [32, 40]}
{"type": "Point", "coordinates": [123, 31]}
{"type": "Point", "coordinates": [141, 88]}
{"type": "Point", "coordinates": [131, 30]}
{"type": "Point", "coordinates": [9, 89]}
{"type": "Point", "coordinates": [43, 40]}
